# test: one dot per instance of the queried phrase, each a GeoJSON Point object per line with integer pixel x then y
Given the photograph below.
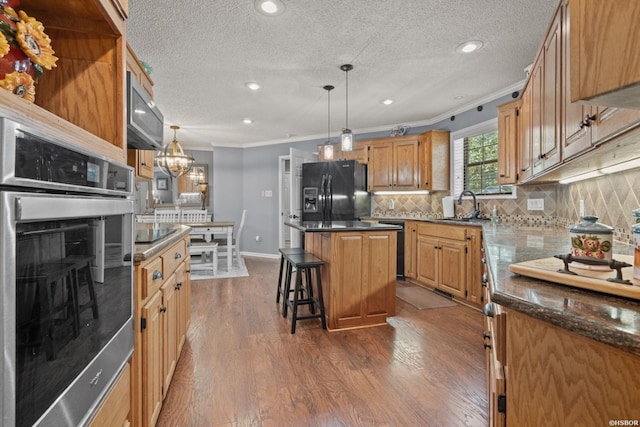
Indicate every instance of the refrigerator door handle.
{"type": "Point", "coordinates": [330, 193]}
{"type": "Point", "coordinates": [322, 197]}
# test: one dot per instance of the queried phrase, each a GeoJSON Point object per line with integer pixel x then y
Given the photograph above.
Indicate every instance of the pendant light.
{"type": "Point", "coordinates": [347, 135]}
{"type": "Point", "coordinates": [328, 148]}
{"type": "Point", "coordinates": [171, 160]}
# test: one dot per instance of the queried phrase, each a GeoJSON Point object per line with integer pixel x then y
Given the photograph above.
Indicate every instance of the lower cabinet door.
{"type": "Point", "coordinates": [152, 360]}
{"type": "Point", "coordinates": [170, 327]}
{"type": "Point", "coordinates": [452, 267]}
{"type": "Point", "coordinates": [427, 260]}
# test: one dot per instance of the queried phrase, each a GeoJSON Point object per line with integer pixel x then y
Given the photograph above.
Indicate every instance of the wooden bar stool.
{"type": "Point", "coordinates": [285, 273]}
{"type": "Point", "coordinates": [57, 315]}
{"type": "Point", "coordinates": [82, 278]}
{"type": "Point", "coordinates": [304, 263]}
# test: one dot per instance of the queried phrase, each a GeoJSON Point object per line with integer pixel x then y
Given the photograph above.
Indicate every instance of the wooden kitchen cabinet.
{"type": "Point", "coordinates": [558, 377]}
{"type": "Point", "coordinates": [394, 164]}
{"type": "Point", "coordinates": [151, 357]}
{"type": "Point", "coordinates": [162, 316]}
{"type": "Point", "coordinates": [508, 142]}
{"type": "Point", "coordinates": [605, 55]}
{"type": "Point", "coordinates": [547, 153]}
{"type": "Point", "coordinates": [525, 136]}
{"type": "Point", "coordinates": [441, 257]}
{"type": "Point", "coordinates": [86, 88]}
{"type": "Point", "coordinates": [135, 66]}
{"type": "Point", "coordinates": [445, 257]}
{"type": "Point", "coordinates": [358, 277]}
{"type": "Point", "coordinates": [410, 248]}
{"type": "Point", "coordinates": [434, 160]}
{"type": "Point", "coordinates": [475, 266]}
{"type": "Point", "coordinates": [142, 161]}
{"type": "Point", "coordinates": [115, 408]}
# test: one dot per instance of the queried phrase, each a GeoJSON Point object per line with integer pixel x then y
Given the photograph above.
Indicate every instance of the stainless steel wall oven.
{"type": "Point", "coordinates": [67, 277]}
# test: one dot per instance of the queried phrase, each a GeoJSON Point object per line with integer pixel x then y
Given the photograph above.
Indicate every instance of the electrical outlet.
{"type": "Point", "coordinates": [391, 205]}
{"type": "Point", "coordinates": [535, 204]}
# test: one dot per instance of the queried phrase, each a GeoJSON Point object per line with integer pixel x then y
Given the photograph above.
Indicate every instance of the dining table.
{"type": "Point", "coordinates": [208, 229]}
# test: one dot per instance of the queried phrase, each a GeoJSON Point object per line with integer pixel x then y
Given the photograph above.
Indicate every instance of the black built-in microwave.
{"type": "Point", "coordinates": [145, 122]}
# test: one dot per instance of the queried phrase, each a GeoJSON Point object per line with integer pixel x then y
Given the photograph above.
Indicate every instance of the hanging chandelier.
{"type": "Point", "coordinates": [328, 148]}
{"type": "Point", "coordinates": [172, 160]}
{"type": "Point", "coordinates": [347, 136]}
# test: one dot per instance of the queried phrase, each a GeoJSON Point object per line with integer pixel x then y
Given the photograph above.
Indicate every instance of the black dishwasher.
{"type": "Point", "coordinates": [400, 258]}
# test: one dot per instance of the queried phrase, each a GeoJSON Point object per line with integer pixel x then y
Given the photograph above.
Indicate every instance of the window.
{"type": "Point", "coordinates": [475, 161]}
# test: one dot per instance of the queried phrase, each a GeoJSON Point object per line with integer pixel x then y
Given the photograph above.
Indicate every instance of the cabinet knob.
{"type": "Point", "coordinates": [485, 336]}
{"type": "Point", "coordinates": [163, 309]}
{"type": "Point", "coordinates": [178, 255]}
{"type": "Point", "coordinates": [486, 345]}
{"type": "Point", "coordinates": [157, 274]}
{"type": "Point", "coordinates": [501, 175]}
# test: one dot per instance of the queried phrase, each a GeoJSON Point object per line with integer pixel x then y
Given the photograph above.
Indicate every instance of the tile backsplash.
{"type": "Point", "coordinates": [612, 198]}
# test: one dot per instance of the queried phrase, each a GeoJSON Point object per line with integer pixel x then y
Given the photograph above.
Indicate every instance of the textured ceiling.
{"type": "Point", "coordinates": [202, 53]}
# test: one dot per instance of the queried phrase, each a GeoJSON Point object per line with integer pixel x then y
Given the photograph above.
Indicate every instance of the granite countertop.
{"type": "Point", "coordinates": [320, 226]}
{"type": "Point", "coordinates": [144, 251]}
{"type": "Point", "coordinates": [479, 222]}
{"type": "Point", "coordinates": [608, 319]}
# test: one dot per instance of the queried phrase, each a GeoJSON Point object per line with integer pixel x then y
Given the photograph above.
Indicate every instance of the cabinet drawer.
{"type": "Point", "coordinates": [152, 278]}
{"type": "Point", "coordinates": [451, 232]}
{"type": "Point", "coordinates": [173, 257]}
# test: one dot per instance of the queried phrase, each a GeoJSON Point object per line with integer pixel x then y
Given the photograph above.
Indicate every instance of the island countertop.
{"type": "Point", "coordinates": [149, 249]}
{"type": "Point", "coordinates": [320, 226]}
{"type": "Point", "coordinates": [609, 319]}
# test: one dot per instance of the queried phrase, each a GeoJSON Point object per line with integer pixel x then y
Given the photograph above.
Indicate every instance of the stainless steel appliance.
{"type": "Point", "coordinates": [67, 277]}
{"type": "Point", "coordinates": [334, 191]}
{"type": "Point", "coordinates": [144, 120]}
{"type": "Point", "coordinates": [400, 247]}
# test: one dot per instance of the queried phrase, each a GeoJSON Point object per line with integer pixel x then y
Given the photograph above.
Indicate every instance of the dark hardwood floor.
{"type": "Point", "coordinates": [240, 365]}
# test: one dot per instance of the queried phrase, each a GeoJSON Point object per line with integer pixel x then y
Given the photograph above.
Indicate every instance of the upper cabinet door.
{"type": "Point", "coordinates": [508, 142]}
{"type": "Point", "coordinates": [605, 53]}
{"type": "Point", "coordinates": [380, 169]}
{"type": "Point", "coordinates": [406, 165]}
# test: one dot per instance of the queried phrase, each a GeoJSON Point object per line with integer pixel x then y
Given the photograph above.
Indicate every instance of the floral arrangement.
{"type": "Point", "coordinates": [25, 51]}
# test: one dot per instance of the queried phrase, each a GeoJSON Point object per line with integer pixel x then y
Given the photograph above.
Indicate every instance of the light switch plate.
{"type": "Point", "coordinates": [535, 204]}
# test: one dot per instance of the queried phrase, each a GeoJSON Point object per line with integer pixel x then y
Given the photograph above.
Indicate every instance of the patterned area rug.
{"type": "Point", "coordinates": [422, 298]}
{"type": "Point", "coordinates": [200, 272]}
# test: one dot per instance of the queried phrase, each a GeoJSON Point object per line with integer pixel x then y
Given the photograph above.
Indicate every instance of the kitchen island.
{"type": "Point", "coordinates": [359, 274]}
{"type": "Point", "coordinates": [557, 355]}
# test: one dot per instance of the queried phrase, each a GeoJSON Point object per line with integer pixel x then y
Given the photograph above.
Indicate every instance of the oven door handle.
{"type": "Point", "coordinates": [18, 208]}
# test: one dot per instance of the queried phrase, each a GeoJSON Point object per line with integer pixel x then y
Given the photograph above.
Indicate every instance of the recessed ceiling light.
{"type": "Point", "coordinates": [387, 101]}
{"type": "Point", "coordinates": [458, 97]}
{"type": "Point", "coordinates": [269, 7]}
{"type": "Point", "coordinates": [247, 121]}
{"type": "Point", "coordinates": [470, 46]}
{"type": "Point", "coordinates": [252, 85]}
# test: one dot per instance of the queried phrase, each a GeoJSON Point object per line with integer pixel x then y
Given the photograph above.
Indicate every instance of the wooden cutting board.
{"type": "Point", "coordinates": [594, 280]}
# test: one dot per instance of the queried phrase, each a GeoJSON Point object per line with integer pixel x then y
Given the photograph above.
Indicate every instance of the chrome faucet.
{"type": "Point", "coordinates": [476, 207]}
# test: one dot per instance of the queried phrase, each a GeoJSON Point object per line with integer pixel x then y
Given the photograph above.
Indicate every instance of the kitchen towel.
{"type": "Point", "coordinates": [447, 207]}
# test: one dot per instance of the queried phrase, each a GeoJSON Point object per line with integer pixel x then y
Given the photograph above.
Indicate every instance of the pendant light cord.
{"type": "Point", "coordinates": [347, 99]}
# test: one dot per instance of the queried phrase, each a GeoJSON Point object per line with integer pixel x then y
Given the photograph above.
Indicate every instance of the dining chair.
{"type": "Point", "coordinates": [166, 215]}
{"type": "Point", "coordinates": [235, 242]}
{"type": "Point", "coordinates": [194, 216]}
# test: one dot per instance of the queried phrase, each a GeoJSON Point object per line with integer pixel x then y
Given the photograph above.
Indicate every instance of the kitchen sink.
{"type": "Point", "coordinates": [465, 219]}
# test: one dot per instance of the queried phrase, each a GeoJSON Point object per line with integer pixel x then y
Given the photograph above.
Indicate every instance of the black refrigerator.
{"type": "Point", "coordinates": [335, 191]}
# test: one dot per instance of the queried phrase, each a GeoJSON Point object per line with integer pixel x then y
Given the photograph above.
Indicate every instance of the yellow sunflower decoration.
{"type": "Point", "coordinates": [4, 45]}
{"type": "Point", "coordinates": [34, 42]}
{"type": "Point", "coordinates": [20, 84]}
{"type": "Point", "coordinates": [25, 51]}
